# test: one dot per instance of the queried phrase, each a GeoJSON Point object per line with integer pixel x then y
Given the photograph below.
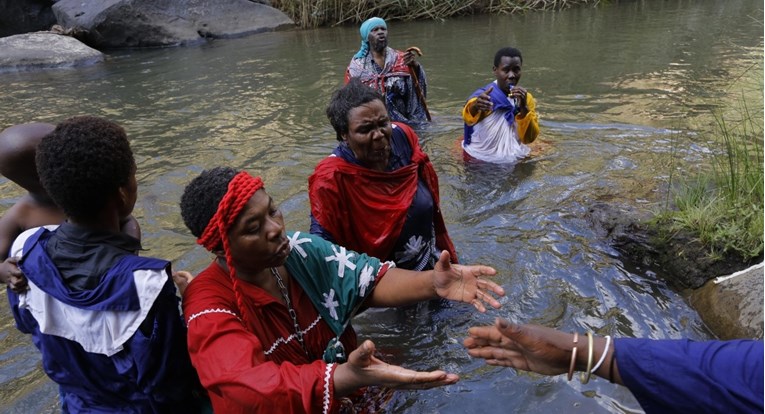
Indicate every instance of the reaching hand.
{"type": "Point", "coordinates": [526, 347]}
{"type": "Point", "coordinates": [182, 279]}
{"type": "Point", "coordinates": [466, 283]}
{"type": "Point", "coordinates": [11, 275]}
{"type": "Point", "coordinates": [364, 369]}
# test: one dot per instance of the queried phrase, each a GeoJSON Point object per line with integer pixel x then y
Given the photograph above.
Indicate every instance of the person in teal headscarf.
{"type": "Point", "coordinates": [397, 75]}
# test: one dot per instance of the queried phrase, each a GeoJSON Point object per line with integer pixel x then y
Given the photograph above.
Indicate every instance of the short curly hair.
{"type": "Point", "coordinates": [83, 163]}
{"type": "Point", "coordinates": [352, 95]}
{"type": "Point", "coordinates": [510, 52]}
{"type": "Point", "coordinates": [201, 197]}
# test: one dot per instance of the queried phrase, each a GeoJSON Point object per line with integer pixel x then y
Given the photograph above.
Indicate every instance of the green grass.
{"type": "Point", "coordinates": [723, 206]}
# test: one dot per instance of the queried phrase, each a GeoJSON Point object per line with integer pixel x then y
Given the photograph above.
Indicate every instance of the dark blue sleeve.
{"type": "Point", "coordinates": [684, 376]}
{"type": "Point", "coordinates": [318, 230]}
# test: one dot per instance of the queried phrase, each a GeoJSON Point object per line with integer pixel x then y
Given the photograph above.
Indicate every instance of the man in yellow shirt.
{"type": "Point", "coordinates": [500, 118]}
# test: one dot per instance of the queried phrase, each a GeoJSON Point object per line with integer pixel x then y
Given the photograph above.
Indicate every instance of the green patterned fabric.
{"type": "Point", "coordinates": [337, 281]}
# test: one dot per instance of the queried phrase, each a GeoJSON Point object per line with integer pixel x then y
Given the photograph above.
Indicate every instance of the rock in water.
{"type": "Point", "coordinates": [151, 23]}
{"type": "Point", "coordinates": [732, 308]}
{"type": "Point", "coordinates": [43, 50]}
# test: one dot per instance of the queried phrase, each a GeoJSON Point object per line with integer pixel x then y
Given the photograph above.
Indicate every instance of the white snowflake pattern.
{"type": "Point", "coordinates": [343, 260]}
{"type": "Point", "coordinates": [413, 249]}
{"type": "Point", "coordinates": [330, 303]}
{"type": "Point", "coordinates": [295, 243]}
{"type": "Point", "coordinates": [365, 278]}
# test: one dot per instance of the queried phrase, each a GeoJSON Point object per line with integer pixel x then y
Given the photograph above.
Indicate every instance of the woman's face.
{"type": "Point", "coordinates": [368, 135]}
{"type": "Point", "coordinates": [257, 238]}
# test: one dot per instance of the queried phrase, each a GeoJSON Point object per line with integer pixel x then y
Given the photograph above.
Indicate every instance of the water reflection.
{"type": "Point", "coordinates": [619, 88]}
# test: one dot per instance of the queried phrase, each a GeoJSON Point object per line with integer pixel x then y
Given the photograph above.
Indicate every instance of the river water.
{"type": "Point", "coordinates": [620, 90]}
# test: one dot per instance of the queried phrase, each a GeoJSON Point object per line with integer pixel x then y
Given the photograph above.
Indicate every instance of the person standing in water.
{"type": "Point", "coordinates": [397, 75]}
{"type": "Point", "coordinates": [500, 118]}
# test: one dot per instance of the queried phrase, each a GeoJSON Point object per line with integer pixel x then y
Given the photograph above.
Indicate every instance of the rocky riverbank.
{"type": "Point", "coordinates": [109, 24]}
{"type": "Point", "coordinates": [731, 308]}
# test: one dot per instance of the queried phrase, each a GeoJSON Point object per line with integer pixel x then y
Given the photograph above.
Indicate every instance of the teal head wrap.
{"type": "Point", "coordinates": [367, 27]}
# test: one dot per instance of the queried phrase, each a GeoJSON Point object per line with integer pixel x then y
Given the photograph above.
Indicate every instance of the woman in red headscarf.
{"type": "Point", "coordinates": [269, 319]}
{"type": "Point", "coordinates": [377, 192]}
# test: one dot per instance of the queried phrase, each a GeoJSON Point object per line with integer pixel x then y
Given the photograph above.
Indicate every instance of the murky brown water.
{"type": "Point", "coordinates": [617, 88]}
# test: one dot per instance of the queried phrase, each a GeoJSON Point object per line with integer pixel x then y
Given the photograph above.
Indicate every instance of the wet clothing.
{"type": "Point", "coordinates": [262, 367]}
{"type": "Point", "coordinates": [109, 330]}
{"type": "Point", "coordinates": [684, 376]}
{"type": "Point", "coordinates": [394, 82]}
{"type": "Point", "coordinates": [394, 215]}
{"type": "Point", "coordinates": [499, 135]}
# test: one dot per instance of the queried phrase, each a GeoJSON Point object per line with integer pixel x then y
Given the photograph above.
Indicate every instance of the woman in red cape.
{"type": "Point", "coordinates": [377, 192]}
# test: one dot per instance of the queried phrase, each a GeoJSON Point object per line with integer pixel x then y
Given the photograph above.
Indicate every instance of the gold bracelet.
{"type": "Point", "coordinates": [584, 377]}
{"type": "Point", "coordinates": [573, 357]}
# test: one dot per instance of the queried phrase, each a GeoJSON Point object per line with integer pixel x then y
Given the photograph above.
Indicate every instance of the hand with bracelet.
{"type": "Point", "coordinates": [542, 350]}
{"type": "Point", "coordinates": [730, 373]}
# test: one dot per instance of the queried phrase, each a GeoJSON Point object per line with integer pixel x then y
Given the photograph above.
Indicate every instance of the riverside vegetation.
{"type": "Point", "coordinates": [334, 12]}
{"type": "Point", "coordinates": [722, 206]}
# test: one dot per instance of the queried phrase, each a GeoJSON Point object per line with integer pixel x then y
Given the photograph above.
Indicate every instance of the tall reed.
{"type": "Point", "coordinates": [313, 13]}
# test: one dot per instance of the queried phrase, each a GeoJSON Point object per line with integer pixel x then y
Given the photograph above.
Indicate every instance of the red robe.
{"type": "Point", "coordinates": [257, 370]}
{"type": "Point", "coordinates": [365, 210]}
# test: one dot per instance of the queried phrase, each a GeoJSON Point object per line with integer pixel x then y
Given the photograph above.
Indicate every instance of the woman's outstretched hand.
{"type": "Point", "coordinates": [526, 347]}
{"type": "Point", "coordinates": [364, 369]}
{"type": "Point", "coordinates": [466, 283]}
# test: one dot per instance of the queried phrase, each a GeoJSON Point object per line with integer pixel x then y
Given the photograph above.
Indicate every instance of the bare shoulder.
{"type": "Point", "coordinates": [28, 213]}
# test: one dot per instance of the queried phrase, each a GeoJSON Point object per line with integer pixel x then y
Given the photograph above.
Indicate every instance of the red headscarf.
{"type": "Point", "coordinates": [240, 190]}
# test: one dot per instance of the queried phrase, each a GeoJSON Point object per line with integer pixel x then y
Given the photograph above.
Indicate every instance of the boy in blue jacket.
{"type": "Point", "coordinates": [106, 321]}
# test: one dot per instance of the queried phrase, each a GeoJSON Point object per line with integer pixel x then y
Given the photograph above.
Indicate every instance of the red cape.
{"type": "Point", "coordinates": [365, 210]}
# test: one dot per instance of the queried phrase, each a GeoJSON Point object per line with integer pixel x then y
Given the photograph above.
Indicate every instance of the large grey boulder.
{"type": "Point", "coordinates": [24, 16]}
{"type": "Point", "coordinates": [732, 307]}
{"type": "Point", "coordinates": [147, 23]}
{"type": "Point", "coordinates": [44, 50]}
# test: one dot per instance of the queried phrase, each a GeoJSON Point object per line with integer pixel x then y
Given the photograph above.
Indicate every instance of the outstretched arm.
{"type": "Point", "coordinates": [537, 349]}
{"type": "Point", "coordinates": [467, 284]}
{"type": "Point", "coordinates": [364, 369]}
{"type": "Point", "coordinates": [665, 375]}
